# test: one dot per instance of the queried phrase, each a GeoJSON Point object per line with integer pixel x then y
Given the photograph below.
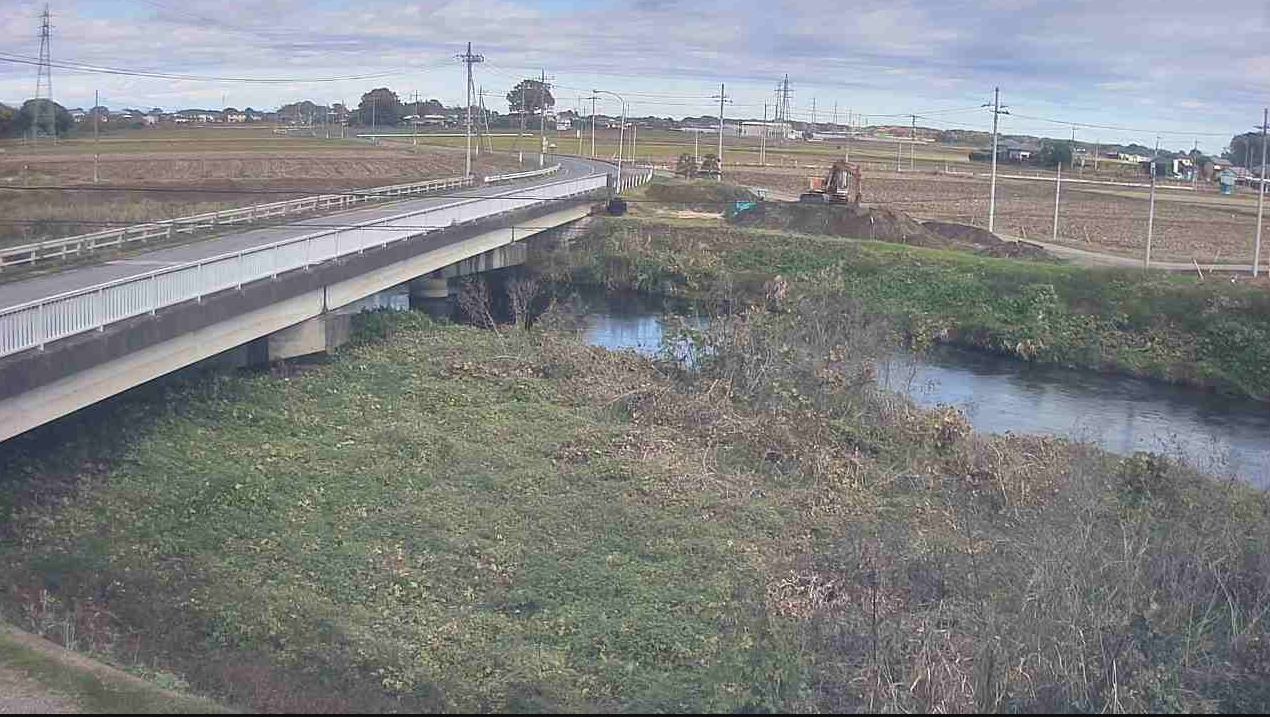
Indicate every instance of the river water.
{"type": "Point", "coordinates": [1218, 434]}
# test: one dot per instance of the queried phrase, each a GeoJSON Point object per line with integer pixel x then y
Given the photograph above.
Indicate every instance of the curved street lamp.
{"type": "Point", "coordinates": [621, 136]}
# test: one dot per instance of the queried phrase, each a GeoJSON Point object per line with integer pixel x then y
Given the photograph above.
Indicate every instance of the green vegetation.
{"type": "Point", "coordinates": [71, 680]}
{"type": "Point", "coordinates": [1167, 327]}
{"type": "Point", "coordinates": [446, 518]}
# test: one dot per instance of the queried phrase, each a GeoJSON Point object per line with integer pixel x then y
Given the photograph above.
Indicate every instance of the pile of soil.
{"type": "Point", "coordinates": [987, 243]}
{"type": "Point", "coordinates": [842, 220]}
{"type": "Point", "coordinates": [702, 196]}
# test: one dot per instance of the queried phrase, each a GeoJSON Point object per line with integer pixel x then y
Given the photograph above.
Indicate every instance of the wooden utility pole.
{"type": "Point", "coordinates": [96, 136]}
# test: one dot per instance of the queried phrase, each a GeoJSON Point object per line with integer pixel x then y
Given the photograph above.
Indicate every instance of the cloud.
{"type": "Point", "coordinates": [1108, 61]}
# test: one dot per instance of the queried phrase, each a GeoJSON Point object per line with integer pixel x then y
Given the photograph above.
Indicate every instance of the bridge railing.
{"type": "Point", "coordinates": [546, 171]}
{"type": "Point", "coordinates": [630, 181]}
{"type": "Point", "coordinates": [33, 324]}
{"type": "Point", "coordinates": [67, 246]}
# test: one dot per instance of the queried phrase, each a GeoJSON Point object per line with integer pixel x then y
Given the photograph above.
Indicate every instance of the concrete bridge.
{"type": "Point", "coordinates": [72, 338]}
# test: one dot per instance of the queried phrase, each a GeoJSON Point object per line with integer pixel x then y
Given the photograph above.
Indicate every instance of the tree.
{"type": "Point", "coordinates": [687, 166]}
{"type": "Point", "coordinates": [8, 119]}
{"type": "Point", "coordinates": [62, 120]}
{"type": "Point", "coordinates": [537, 97]}
{"type": "Point", "coordinates": [709, 165]}
{"type": "Point", "coordinates": [1245, 149]}
{"type": "Point", "coordinates": [380, 106]}
{"type": "Point", "coordinates": [1054, 153]}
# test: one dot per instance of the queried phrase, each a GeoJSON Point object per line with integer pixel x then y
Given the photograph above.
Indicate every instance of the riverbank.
{"type": "Point", "coordinates": [445, 518]}
{"type": "Point", "coordinates": [1208, 334]}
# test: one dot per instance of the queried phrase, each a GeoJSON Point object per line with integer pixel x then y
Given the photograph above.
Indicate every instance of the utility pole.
{"type": "Point", "coordinates": [847, 156]}
{"type": "Point", "coordinates": [835, 115]}
{"type": "Point", "coordinates": [1151, 210]}
{"type": "Point", "coordinates": [593, 98]}
{"type": "Point", "coordinates": [1097, 151]}
{"type": "Point", "coordinates": [912, 146]}
{"type": "Point", "coordinates": [469, 59]}
{"type": "Point", "coordinates": [1261, 193]}
{"type": "Point", "coordinates": [722, 98]}
{"type": "Point", "coordinates": [96, 137]}
{"type": "Point", "coordinates": [992, 195]}
{"type": "Point", "coordinates": [813, 114]}
{"type": "Point", "coordinates": [1195, 167]}
{"type": "Point", "coordinates": [1058, 182]}
{"type": "Point", "coordinates": [762, 142]}
{"type": "Point", "coordinates": [542, 120]}
{"type": "Point", "coordinates": [520, 156]}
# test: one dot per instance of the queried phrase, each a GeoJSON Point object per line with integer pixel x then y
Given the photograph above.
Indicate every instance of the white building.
{"type": "Point", "coordinates": [773, 130]}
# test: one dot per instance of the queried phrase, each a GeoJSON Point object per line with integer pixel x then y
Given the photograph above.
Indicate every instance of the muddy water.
{"type": "Point", "coordinates": [1221, 435]}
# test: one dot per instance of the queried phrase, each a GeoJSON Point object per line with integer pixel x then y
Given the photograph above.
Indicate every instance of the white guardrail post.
{"type": "Point", "coordinates": [36, 323]}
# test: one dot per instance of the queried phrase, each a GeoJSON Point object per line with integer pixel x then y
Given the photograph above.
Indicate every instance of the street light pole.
{"type": "Point", "coordinates": [621, 135]}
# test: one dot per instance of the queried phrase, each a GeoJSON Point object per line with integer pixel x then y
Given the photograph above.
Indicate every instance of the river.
{"type": "Point", "coordinates": [1218, 434]}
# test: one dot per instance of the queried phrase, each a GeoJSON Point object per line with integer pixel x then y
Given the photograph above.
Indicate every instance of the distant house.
{"type": "Point", "coordinates": [233, 117]}
{"type": "Point", "coordinates": [1014, 151]}
{"type": "Point", "coordinates": [564, 123]}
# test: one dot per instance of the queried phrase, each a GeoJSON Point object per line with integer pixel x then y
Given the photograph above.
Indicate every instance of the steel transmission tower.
{"type": "Point", "coordinates": [782, 104]}
{"type": "Point", "coordinates": [44, 123]}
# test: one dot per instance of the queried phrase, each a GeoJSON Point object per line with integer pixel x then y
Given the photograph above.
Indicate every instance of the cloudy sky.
{"type": "Point", "coordinates": [1188, 70]}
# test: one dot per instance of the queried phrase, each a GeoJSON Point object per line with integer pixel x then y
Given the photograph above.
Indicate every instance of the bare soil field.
{"type": "Point", "coordinates": [1202, 226]}
{"type": "Point", "coordinates": [203, 181]}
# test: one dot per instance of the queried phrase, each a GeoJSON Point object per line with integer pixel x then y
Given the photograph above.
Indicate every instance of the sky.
{"type": "Point", "coordinates": [1188, 71]}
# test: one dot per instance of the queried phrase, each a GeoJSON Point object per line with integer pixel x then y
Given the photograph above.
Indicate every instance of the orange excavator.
{"type": "Point", "coordinates": [843, 184]}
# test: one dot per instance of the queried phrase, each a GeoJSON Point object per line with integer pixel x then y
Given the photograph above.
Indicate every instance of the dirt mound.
{"type": "Point", "coordinates": [987, 243]}
{"type": "Point", "coordinates": [703, 196]}
{"type": "Point", "coordinates": [963, 233]}
{"type": "Point", "coordinates": [841, 220]}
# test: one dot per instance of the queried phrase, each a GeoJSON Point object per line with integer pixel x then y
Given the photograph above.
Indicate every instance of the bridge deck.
{"type": "Point", "coordinates": [19, 292]}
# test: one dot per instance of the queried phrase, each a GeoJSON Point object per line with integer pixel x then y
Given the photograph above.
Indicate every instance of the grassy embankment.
{"type": "Point", "coordinates": [36, 676]}
{"type": "Point", "coordinates": [450, 518]}
{"type": "Point", "coordinates": [1168, 327]}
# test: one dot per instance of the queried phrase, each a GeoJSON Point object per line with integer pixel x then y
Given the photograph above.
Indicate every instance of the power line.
{"type": "Point", "coordinates": [1188, 133]}
{"type": "Point", "coordinates": [105, 70]}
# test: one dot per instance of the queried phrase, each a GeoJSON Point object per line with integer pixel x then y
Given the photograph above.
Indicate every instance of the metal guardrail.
{"type": "Point", "coordinates": [494, 178]}
{"type": "Point", "coordinates": [65, 246]}
{"type": "Point", "coordinates": [638, 180]}
{"type": "Point", "coordinates": [35, 323]}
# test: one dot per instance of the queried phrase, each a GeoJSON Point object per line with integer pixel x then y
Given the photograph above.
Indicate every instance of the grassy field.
{"type": "Point", "coordinates": [1167, 327]}
{"type": "Point", "coordinates": [445, 518]}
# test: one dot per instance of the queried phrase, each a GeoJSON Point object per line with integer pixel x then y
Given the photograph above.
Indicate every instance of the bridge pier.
{"type": "Point", "coordinates": [320, 334]}
{"type": "Point", "coordinates": [431, 293]}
